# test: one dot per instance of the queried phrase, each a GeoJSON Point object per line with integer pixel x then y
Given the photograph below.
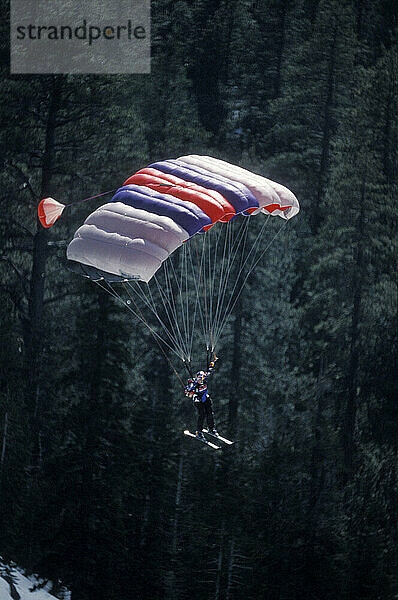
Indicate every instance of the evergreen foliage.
{"type": "Point", "coordinates": [98, 486]}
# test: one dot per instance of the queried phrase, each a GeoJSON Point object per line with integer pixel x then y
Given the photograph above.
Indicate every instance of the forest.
{"type": "Point", "coordinates": [100, 491]}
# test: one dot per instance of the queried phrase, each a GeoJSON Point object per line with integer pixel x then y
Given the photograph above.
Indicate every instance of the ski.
{"type": "Point", "coordinates": [219, 437]}
{"type": "Point", "coordinates": [204, 441]}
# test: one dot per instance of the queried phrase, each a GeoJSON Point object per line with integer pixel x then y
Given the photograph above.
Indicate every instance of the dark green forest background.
{"type": "Point", "coordinates": [99, 489]}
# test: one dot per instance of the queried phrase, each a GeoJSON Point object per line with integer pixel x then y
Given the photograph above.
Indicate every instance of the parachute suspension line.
{"type": "Point", "coordinates": [166, 298]}
{"type": "Point", "coordinates": [151, 304]}
{"type": "Point", "coordinates": [226, 230]}
{"type": "Point", "coordinates": [243, 250]}
{"type": "Point", "coordinates": [211, 273]}
{"type": "Point", "coordinates": [198, 289]}
{"type": "Point", "coordinates": [208, 359]}
{"type": "Point", "coordinates": [242, 235]}
{"type": "Point", "coordinates": [183, 299]}
{"type": "Point", "coordinates": [169, 264]}
{"type": "Point", "coordinates": [210, 294]}
{"type": "Point", "coordinates": [216, 261]}
{"type": "Point", "coordinates": [233, 249]}
{"type": "Point", "coordinates": [180, 298]}
{"type": "Point", "coordinates": [207, 278]}
{"type": "Point", "coordinates": [202, 273]}
{"type": "Point", "coordinates": [223, 275]}
{"type": "Point", "coordinates": [182, 328]}
{"type": "Point", "coordinates": [223, 317]}
{"type": "Point", "coordinates": [92, 197]}
{"type": "Point", "coordinates": [167, 310]}
{"type": "Point", "coordinates": [108, 192]}
{"type": "Point", "coordinates": [206, 281]}
{"type": "Point", "coordinates": [209, 267]}
{"type": "Point", "coordinates": [202, 295]}
{"type": "Point", "coordinates": [251, 269]}
{"type": "Point", "coordinates": [187, 296]}
{"type": "Point", "coordinates": [218, 270]}
{"type": "Point", "coordinates": [138, 312]}
{"type": "Point", "coordinates": [198, 305]}
{"type": "Point", "coordinates": [179, 282]}
{"type": "Point", "coordinates": [155, 335]}
{"type": "Point", "coordinates": [167, 313]}
{"type": "Point", "coordinates": [188, 367]}
{"type": "Point", "coordinates": [132, 288]}
{"type": "Point", "coordinates": [210, 276]}
{"type": "Point", "coordinates": [174, 305]}
{"type": "Point", "coordinates": [227, 235]}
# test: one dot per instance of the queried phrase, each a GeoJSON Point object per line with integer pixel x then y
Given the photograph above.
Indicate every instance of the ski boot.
{"type": "Point", "coordinates": [199, 434]}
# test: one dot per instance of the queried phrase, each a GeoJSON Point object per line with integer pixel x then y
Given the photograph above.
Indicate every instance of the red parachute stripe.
{"type": "Point", "coordinates": [272, 207]}
{"type": "Point", "coordinates": [210, 201]}
{"type": "Point", "coordinates": [174, 180]}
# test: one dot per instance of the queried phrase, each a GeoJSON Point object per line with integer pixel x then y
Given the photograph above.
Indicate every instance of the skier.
{"type": "Point", "coordinates": [196, 389]}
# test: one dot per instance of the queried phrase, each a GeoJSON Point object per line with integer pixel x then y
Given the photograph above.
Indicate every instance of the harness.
{"type": "Point", "coordinates": [198, 389]}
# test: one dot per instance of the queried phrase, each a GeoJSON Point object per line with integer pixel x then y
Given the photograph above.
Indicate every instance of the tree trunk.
{"type": "Point", "coordinates": [317, 474]}
{"type": "Point", "coordinates": [83, 579]}
{"type": "Point", "coordinates": [327, 128]}
{"type": "Point", "coordinates": [358, 7]}
{"type": "Point", "coordinates": [33, 330]}
{"type": "Point", "coordinates": [3, 448]}
{"type": "Point", "coordinates": [352, 375]}
{"type": "Point", "coordinates": [281, 48]}
{"type": "Point", "coordinates": [177, 504]}
{"type": "Point", "coordinates": [231, 564]}
{"type": "Point", "coordinates": [388, 162]}
{"type": "Point", "coordinates": [235, 370]}
{"type": "Point", "coordinates": [219, 566]}
{"type": "Point", "coordinates": [174, 539]}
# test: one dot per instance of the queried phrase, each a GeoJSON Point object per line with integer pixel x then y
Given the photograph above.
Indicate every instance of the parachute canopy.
{"type": "Point", "coordinates": [49, 210]}
{"type": "Point", "coordinates": [201, 206]}
{"type": "Point", "coordinates": [164, 205]}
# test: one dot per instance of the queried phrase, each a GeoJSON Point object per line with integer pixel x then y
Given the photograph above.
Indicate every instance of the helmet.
{"type": "Point", "coordinates": [200, 374]}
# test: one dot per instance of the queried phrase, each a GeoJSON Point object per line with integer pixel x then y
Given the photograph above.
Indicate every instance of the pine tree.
{"type": "Point", "coordinates": [314, 96]}
{"type": "Point", "coordinates": [352, 261]}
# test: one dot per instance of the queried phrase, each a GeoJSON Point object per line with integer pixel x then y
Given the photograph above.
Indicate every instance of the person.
{"type": "Point", "coordinates": [196, 389]}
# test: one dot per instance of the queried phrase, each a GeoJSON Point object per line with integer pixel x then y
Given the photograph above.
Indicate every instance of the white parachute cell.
{"type": "Point", "coordinates": [120, 239]}
{"type": "Point", "coordinates": [278, 198]}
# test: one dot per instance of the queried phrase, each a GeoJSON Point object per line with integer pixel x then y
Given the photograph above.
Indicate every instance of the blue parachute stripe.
{"type": "Point", "coordinates": [186, 214]}
{"type": "Point", "coordinates": [237, 194]}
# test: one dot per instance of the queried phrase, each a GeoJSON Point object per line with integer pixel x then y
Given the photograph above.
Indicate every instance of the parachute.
{"type": "Point", "coordinates": [49, 210]}
{"type": "Point", "coordinates": [174, 246]}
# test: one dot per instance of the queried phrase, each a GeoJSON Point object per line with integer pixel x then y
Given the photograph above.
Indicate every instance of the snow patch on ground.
{"type": "Point", "coordinates": [4, 590]}
{"type": "Point", "coordinates": [23, 585]}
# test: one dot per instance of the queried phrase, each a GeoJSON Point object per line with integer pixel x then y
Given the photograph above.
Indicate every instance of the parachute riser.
{"type": "Point", "coordinates": [208, 359]}
{"type": "Point", "coordinates": [188, 367]}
